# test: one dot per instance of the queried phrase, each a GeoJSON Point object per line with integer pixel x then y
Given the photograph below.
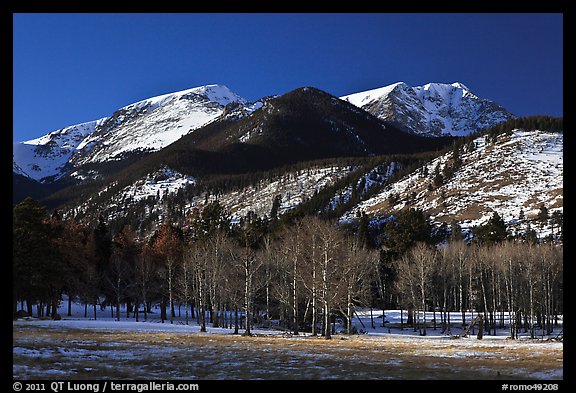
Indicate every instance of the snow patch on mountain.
{"type": "Point", "coordinates": [373, 178]}
{"type": "Point", "coordinates": [294, 188]}
{"type": "Point", "coordinates": [161, 183]}
{"type": "Point", "coordinates": [157, 185]}
{"type": "Point", "coordinates": [365, 97]}
{"type": "Point", "coordinates": [219, 94]}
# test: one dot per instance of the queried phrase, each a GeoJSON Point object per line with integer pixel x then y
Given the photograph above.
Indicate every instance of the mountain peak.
{"type": "Point", "coordinates": [364, 97]}
{"type": "Point", "coordinates": [217, 93]}
{"type": "Point", "coordinates": [220, 94]}
{"type": "Point", "coordinates": [460, 85]}
{"type": "Point", "coordinates": [433, 109]}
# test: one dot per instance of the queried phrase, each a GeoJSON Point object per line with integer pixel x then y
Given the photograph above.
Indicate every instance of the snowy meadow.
{"type": "Point", "coordinates": [79, 348]}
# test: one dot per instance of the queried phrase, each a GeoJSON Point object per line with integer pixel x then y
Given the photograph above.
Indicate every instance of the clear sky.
{"type": "Point", "coordinates": [71, 68]}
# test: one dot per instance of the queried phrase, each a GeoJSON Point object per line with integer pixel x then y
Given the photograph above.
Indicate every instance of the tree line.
{"type": "Point", "coordinates": [300, 275]}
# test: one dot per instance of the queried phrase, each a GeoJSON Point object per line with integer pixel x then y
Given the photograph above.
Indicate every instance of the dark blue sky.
{"type": "Point", "coordinates": [72, 68]}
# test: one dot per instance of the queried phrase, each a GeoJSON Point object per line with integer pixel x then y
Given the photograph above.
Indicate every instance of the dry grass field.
{"type": "Point", "coordinates": [60, 352]}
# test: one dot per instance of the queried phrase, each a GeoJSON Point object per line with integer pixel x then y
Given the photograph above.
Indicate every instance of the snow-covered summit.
{"type": "Point", "coordinates": [365, 97]}
{"type": "Point", "coordinates": [219, 94]}
{"type": "Point", "coordinates": [433, 109]}
{"type": "Point", "coordinates": [143, 126]}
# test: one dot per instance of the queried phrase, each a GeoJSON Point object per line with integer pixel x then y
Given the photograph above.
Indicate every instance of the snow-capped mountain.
{"type": "Point", "coordinates": [144, 126]}
{"type": "Point", "coordinates": [517, 172]}
{"type": "Point", "coordinates": [433, 109]}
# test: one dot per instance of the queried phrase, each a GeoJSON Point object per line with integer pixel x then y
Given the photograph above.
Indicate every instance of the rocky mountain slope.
{"type": "Point", "coordinates": [514, 176]}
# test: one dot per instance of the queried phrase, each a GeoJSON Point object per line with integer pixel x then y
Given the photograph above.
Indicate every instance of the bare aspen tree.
{"type": "Point", "coordinates": [232, 283]}
{"type": "Point", "coordinates": [185, 282]}
{"type": "Point", "coordinates": [530, 276]}
{"type": "Point", "coordinates": [444, 278]}
{"type": "Point", "coordinates": [118, 273]}
{"type": "Point", "coordinates": [119, 276]}
{"type": "Point", "coordinates": [495, 273]}
{"type": "Point", "coordinates": [144, 274]}
{"type": "Point", "coordinates": [424, 258]}
{"type": "Point", "coordinates": [404, 284]}
{"type": "Point", "coordinates": [217, 247]}
{"type": "Point", "coordinates": [357, 266]}
{"type": "Point", "coordinates": [195, 256]}
{"type": "Point", "coordinates": [292, 252]}
{"type": "Point", "coordinates": [330, 243]}
{"type": "Point", "coordinates": [168, 246]}
{"type": "Point", "coordinates": [415, 270]}
{"type": "Point", "coordinates": [550, 263]}
{"type": "Point", "coordinates": [280, 287]}
{"type": "Point", "coordinates": [249, 261]}
{"type": "Point", "coordinates": [311, 267]}
{"type": "Point", "coordinates": [458, 252]}
{"type": "Point", "coordinates": [510, 263]}
{"type": "Point", "coordinates": [484, 265]}
{"type": "Point", "coordinates": [268, 255]}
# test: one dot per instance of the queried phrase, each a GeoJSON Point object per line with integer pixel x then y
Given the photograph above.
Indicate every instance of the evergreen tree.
{"type": "Point", "coordinates": [213, 217]}
{"type": "Point", "coordinates": [103, 246]}
{"type": "Point", "coordinates": [494, 231]}
{"type": "Point", "coordinates": [275, 206]}
{"type": "Point", "coordinates": [543, 215]}
{"type": "Point", "coordinates": [364, 231]}
{"type": "Point", "coordinates": [405, 229]}
{"type": "Point", "coordinates": [455, 231]}
{"type": "Point", "coordinates": [438, 179]}
{"type": "Point", "coordinates": [38, 272]}
{"type": "Point", "coordinates": [557, 221]}
{"type": "Point", "coordinates": [530, 235]}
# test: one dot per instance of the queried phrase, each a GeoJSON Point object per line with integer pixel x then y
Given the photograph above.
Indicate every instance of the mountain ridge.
{"type": "Point", "coordinates": [233, 136]}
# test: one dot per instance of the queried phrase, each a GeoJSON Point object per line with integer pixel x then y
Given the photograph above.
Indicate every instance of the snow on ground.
{"type": "Point", "coordinates": [163, 182]}
{"type": "Point", "coordinates": [368, 323]}
{"type": "Point", "coordinates": [83, 348]}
